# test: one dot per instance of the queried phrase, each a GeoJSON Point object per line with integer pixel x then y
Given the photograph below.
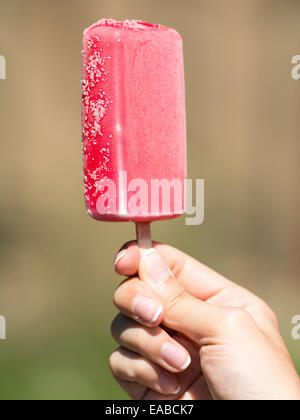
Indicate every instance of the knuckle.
{"type": "Point", "coordinates": [119, 294]}
{"type": "Point", "coordinates": [120, 325]}
{"type": "Point", "coordinates": [235, 318]}
{"type": "Point", "coordinates": [113, 361]}
{"type": "Point", "coordinates": [117, 326]}
{"type": "Point", "coordinates": [127, 332]}
{"type": "Point", "coordinates": [117, 363]}
{"type": "Point", "coordinates": [130, 374]}
{"type": "Point", "coordinates": [126, 292]}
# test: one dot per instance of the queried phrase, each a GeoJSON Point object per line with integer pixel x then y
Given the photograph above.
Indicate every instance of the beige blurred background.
{"type": "Point", "coordinates": [56, 264]}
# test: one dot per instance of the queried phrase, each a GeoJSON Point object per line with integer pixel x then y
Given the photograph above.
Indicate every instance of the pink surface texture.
{"type": "Point", "coordinates": [133, 118]}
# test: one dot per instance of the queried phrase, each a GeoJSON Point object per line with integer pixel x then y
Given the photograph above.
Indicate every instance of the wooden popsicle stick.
{"type": "Point", "coordinates": [143, 234]}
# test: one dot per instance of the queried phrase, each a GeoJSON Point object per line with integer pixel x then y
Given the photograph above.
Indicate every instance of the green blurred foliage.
{"type": "Point", "coordinates": [56, 264]}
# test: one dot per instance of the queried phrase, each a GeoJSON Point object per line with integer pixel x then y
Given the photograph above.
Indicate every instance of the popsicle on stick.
{"type": "Point", "coordinates": [134, 126]}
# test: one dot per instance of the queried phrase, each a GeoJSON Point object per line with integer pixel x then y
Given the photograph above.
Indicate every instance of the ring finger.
{"type": "Point", "coordinates": [129, 367]}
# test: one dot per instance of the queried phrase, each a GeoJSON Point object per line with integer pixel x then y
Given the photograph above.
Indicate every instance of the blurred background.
{"type": "Point", "coordinates": [56, 264]}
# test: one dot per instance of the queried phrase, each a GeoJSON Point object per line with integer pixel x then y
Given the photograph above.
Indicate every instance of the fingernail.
{"type": "Point", "coordinates": [146, 309]}
{"type": "Point", "coordinates": [155, 266]}
{"type": "Point", "coordinates": [168, 383]}
{"type": "Point", "coordinates": [175, 356]}
{"type": "Point", "coordinates": [120, 255]}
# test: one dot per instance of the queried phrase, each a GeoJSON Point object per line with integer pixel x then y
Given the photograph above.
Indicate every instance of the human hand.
{"type": "Point", "coordinates": [186, 332]}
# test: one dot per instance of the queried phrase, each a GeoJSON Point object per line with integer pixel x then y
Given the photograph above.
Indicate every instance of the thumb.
{"type": "Point", "coordinates": [184, 313]}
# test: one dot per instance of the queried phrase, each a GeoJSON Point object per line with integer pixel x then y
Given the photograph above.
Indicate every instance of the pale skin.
{"type": "Point", "coordinates": [187, 333]}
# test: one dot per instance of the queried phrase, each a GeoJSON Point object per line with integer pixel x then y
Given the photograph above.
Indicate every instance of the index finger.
{"type": "Point", "coordinates": [198, 279]}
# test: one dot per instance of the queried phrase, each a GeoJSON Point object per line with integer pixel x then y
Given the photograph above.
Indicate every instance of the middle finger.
{"type": "Point", "coordinates": [154, 344]}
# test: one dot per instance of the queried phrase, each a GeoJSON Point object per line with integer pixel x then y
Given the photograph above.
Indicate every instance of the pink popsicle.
{"type": "Point", "coordinates": [133, 117]}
